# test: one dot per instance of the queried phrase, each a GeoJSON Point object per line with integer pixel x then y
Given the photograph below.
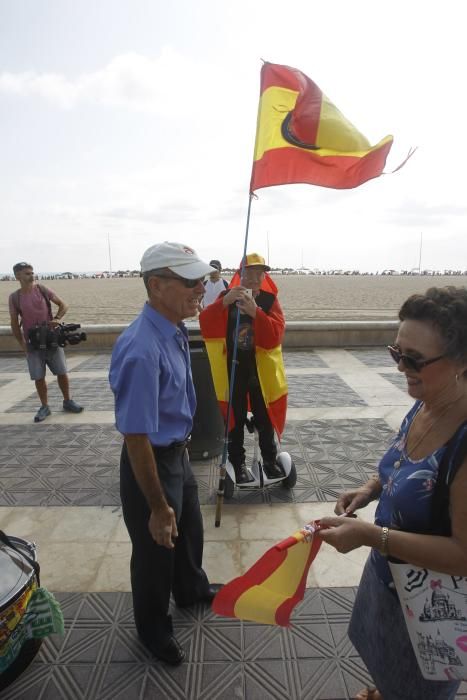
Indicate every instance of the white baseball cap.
{"type": "Point", "coordinates": [179, 258]}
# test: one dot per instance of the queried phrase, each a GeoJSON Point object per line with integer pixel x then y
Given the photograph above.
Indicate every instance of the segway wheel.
{"type": "Point", "coordinates": [290, 480]}
{"type": "Point", "coordinates": [229, 487]}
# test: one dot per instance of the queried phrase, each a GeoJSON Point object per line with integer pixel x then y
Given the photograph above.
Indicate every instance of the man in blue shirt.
{"type": "Point", "coordinates": [150, 375]}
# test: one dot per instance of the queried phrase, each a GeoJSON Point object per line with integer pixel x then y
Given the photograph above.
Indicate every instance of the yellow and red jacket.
{"type": "Point", "coordinates": [268, 333]}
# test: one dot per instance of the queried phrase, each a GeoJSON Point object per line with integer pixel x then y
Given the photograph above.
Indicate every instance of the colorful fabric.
{"type": "Point", "coordinates": [11, 616]}
{"type": "Point", "coordinates": [268, 330]}
{"type": "Point", "coordinates": [269, 591]}
{"type": "Point", "coordinates": [302, 137]}
{"type": "Point", "coordinates": [42, 618]}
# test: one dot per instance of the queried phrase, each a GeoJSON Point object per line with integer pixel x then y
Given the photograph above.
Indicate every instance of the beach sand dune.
{"type": "Point", "coordinates": [303, 298]}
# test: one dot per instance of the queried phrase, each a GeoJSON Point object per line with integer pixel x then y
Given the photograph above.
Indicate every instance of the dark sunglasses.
{"type": "Point", "coordinates": [189, 284]}
{"type": "Point", "coordinates": [409, 361]}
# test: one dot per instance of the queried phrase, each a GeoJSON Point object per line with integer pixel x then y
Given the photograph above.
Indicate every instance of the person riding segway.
{"type": "Point", "coordinates": [260, 384]}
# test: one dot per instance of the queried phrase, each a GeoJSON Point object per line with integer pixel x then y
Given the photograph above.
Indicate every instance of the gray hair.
{"type": "Point", "coordinates": [152, 273]}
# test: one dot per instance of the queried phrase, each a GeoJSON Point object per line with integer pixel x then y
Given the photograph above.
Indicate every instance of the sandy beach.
{"type": "Point", "coordinates": [303, 298]}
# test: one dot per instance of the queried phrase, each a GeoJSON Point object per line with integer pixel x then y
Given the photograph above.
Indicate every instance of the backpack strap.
{"type": "Point", "coordinates": [15, 302]}
{"type": "Point", "coordinates": [15, 298]}
{"type": "Point", "coordinates": [43, 291]}
{"type": "Point", "coordinates": [453, 457]}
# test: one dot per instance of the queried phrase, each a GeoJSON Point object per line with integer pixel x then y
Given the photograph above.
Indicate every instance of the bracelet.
{"type": "Point", "coordinates": [384, 547]}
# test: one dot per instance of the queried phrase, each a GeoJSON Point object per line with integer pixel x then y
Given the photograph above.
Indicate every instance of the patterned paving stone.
{"type": "Point", "coordinates": [94, 364]}
{"type": "Point", "coordinates": [100, 657]}
{"type": "Point", "coordinates": [300, 358]}
{"type": "Point", "coordinates": [13, 364]}
{"type": "Point", "coordinates": [79, 464]}
{"type": "Point", "coordinates": [59, 465]}
{"type": "Point", "coordinates": [397, 379]}
{"type": "Point", "coordinates": [321, 390]}
{"type": "Point", "coordinates": [94, 394]}
{"type": "Point", "coordinates": [374, 357]}
{"type": "Point", "coordinates": [329, 456]}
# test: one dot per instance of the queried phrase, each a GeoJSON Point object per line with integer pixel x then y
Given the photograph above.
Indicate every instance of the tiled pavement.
{"type": "Point", "coordinates": [59, 487]}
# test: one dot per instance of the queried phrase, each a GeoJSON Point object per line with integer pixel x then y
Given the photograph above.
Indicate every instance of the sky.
{"type": "Point", "coordinates": [124, 123]}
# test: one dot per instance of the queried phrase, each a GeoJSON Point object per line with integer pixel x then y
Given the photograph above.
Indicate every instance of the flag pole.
{"type": "Point", "coordinates": [223, 466]}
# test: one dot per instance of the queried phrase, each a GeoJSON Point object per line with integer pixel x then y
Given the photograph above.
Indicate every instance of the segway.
{"type": "Point", "coordinates": [258, 477]}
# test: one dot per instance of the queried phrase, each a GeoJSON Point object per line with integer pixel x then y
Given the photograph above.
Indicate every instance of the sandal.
{"type": "Point", "coordinates": [369, 694]}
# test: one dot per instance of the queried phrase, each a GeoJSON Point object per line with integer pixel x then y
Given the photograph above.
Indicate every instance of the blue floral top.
{"type": "Point", "coordinates": [405, 500]}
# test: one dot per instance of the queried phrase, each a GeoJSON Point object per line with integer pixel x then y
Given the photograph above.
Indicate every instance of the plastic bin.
{"type": "Point", "coordinates": [207, 437]}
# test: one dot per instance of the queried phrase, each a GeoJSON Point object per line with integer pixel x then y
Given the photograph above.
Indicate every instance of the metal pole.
{"type": "Point", "coordinates": [110, 256]}
{"type": "Point", "coordinates": [222, 468]}
{"type": "Point", "coordinates": [420, 255]}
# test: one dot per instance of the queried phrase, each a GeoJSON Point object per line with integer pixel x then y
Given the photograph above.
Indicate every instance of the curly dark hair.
{"type": "Point", "coordinates": [446, 309]}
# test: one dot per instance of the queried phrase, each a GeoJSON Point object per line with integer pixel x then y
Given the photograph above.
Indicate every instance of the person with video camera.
{"type": "Point", "coordinates": [32, 323]}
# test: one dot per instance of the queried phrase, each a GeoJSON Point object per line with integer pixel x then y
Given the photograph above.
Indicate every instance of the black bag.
{"type": "Point", "coordinates": [41, 337]}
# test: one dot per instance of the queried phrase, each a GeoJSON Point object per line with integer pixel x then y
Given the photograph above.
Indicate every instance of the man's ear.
{"type": "Point", "coordinates": [154, 286]}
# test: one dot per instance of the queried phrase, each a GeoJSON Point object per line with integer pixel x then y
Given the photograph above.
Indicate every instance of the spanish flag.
{"type": "Point", "coordinates": [269, 330]}
{"type": "Point", "coordinates": [269, 591]}
{"type": "Point", "coordinates": [302, 137]}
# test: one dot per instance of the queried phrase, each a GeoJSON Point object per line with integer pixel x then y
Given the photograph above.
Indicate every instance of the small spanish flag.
{"type": "Point", "coordinates": [271, 588]}
{"type": "Point", "coordinates": [302, 137]}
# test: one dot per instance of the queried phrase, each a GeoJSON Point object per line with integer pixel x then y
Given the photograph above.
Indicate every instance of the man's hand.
{"type": "Point", "coordinates": [162, 525]}
{"type": "Point", "coordinates": [247, 305]}
{"type": "Point", "coordinates": [233, 295]}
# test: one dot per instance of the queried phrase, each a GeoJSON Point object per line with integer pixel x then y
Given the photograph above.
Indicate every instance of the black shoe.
{"type": "Point", "coordinates": [242, 475]}
{"type": "Point", "coordinates": [172, 653]}
{"type": "Point", "coordinates": [207, 597]}
{"type": "Point", "coordinates": [211, 593]}
{"type": "Point", "coordinates": [273, 470]}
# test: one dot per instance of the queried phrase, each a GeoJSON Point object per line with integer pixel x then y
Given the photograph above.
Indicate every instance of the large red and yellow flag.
{"type": "Point", "coordinates": [302, 137]}
{"type": "Point", "coordinates": [271, 588]}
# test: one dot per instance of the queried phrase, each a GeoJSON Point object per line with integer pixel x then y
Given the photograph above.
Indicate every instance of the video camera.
{"type": "Point", "coordinates": [42, 337]}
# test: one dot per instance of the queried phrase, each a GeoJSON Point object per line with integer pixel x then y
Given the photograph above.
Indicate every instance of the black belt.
{"type": "Point", "coordinates": [173, 447]}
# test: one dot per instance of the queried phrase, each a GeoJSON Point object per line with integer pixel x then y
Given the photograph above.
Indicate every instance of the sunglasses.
{"type": "Point", "coordinates": [410, 362]}
{"type": "Point", "coordinates": [189, 284]}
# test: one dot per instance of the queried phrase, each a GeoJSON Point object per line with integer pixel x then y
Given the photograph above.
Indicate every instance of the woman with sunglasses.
{"type": "Point", "coordinates": [431, 351]}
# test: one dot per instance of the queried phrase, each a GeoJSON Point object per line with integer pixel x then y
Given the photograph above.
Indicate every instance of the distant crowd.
{"type": "Point", "coordinates": [231, 271]}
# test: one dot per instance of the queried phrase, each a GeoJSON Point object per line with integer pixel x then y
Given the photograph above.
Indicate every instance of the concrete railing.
{"type": "Point", "coordinates": [298, 334]}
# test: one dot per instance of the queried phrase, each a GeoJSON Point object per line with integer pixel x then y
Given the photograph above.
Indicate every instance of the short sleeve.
{"type": "Point", "coordinates": [136, 387]}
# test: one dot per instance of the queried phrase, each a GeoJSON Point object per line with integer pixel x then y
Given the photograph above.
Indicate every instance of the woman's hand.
{"type": "Point", "coordinates": [346, 534]}
{"type": "Point", "coordinates": [350, 501]}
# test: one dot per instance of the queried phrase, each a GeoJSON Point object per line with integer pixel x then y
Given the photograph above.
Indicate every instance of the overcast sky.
{"type": "Point", "coordinates": [134, 121]}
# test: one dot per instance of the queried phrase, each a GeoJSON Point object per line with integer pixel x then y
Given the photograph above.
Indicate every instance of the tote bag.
{"type": "Point", "coordinates": [435, 612]}
{"type": "Point", "coordinates": [434, 604]}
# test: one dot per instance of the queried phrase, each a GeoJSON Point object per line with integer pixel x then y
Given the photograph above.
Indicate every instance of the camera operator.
{"type": "Point", "coordinates": [30, 306]}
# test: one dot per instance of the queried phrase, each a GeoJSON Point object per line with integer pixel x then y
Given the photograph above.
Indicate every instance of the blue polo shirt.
{"type": "Point", "coordinates": [150, 376]}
